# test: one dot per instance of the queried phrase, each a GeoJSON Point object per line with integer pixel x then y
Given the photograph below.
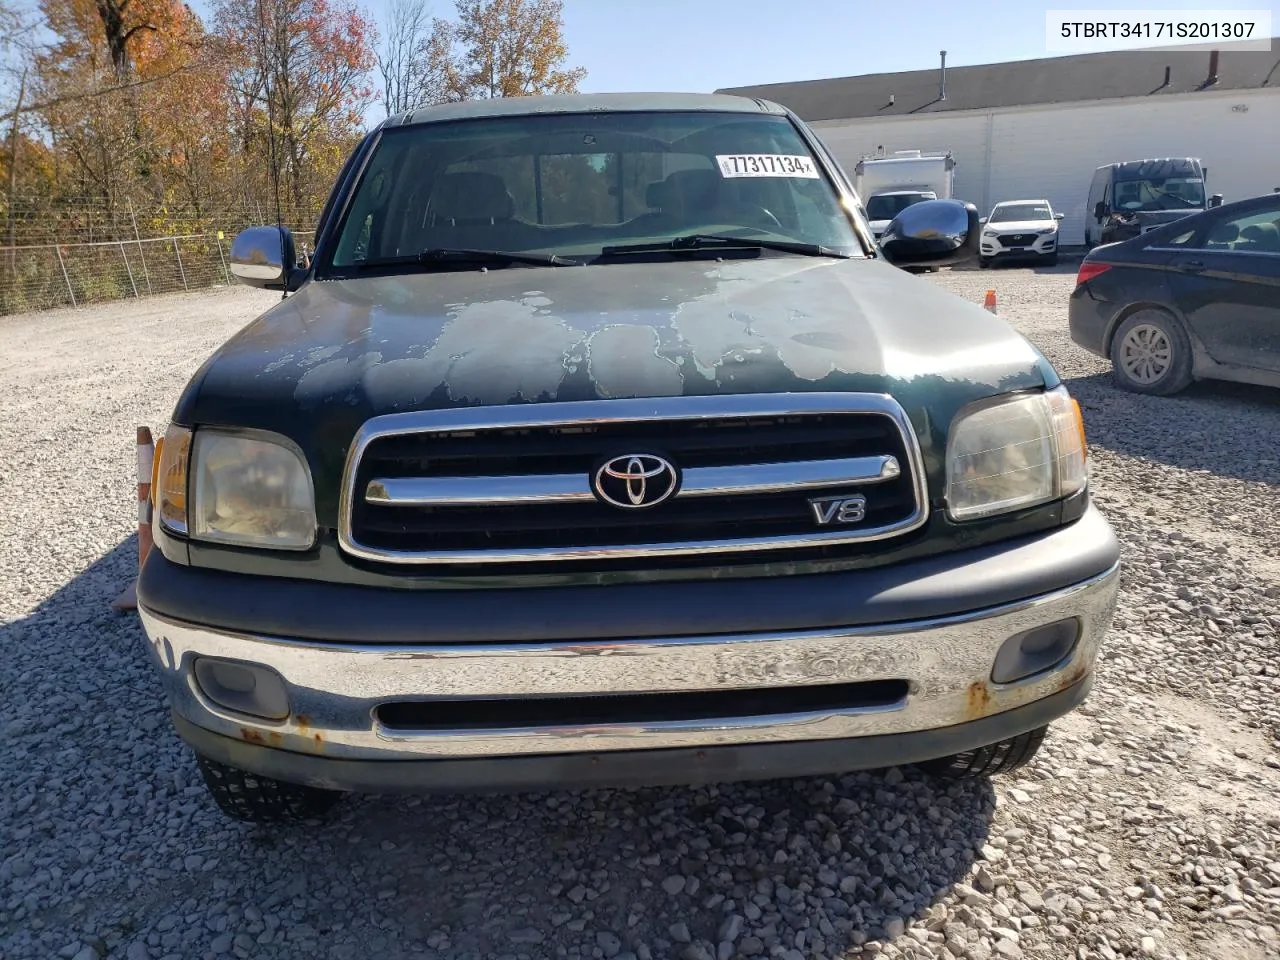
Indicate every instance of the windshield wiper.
{"type": "Point", "coordinates": [463, 256]}
{"type": "Point", "coordinates": [440, 254]}
{"type": "Point", "coordinates": [694, 241]}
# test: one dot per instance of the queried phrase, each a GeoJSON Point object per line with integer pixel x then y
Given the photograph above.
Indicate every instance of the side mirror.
{"type": "Point", "coordinates": [1099, 210]}
{"type": "Point", "coordinates": [932, 232]}
{"type": "Point", "coordinates": [982, 219]}
{"type": "Point", "coordinates": [1059, 216]}
{"type": "Point", "coordinates": [266, 258]}
{"type": "Point", "coordinates": [1215, 200]}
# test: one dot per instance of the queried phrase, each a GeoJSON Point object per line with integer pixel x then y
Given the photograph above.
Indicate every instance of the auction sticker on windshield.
{"type": "Point", "coordinates": [766, 165]}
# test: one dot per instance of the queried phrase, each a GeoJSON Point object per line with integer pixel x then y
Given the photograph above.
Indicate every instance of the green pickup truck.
{"type": "Point", "coordinates": [600, 443]}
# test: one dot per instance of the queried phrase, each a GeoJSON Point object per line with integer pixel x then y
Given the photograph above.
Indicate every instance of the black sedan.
{"type": "Point", "coordinates": [1196, 299]}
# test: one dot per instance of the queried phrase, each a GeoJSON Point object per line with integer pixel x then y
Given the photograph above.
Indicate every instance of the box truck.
{"type": "Point", "coordinates": [888, 185]}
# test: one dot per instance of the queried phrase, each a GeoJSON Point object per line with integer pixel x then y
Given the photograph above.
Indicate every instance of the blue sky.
{"type": "Point", "coordinates": [701, 45]}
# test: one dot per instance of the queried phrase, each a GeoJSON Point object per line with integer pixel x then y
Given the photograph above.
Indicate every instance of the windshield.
{"type": "Point", "coordinates": [888, 206]}
{"type": "Point", "coordinates": [1171, 193]}
{"type": "Point", "coordinates": [571, 185]}
{"type": "Point", "coordinates": [1011, 212]}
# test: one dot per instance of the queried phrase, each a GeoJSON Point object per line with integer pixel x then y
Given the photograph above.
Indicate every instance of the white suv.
{"type": "Point", "coordinates": [1020, 228]}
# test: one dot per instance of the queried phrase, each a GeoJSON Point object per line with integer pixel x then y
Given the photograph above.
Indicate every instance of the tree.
{"type": "Point", "coordinates": [299, 75]}
{"type": "Point", "coordinates": [90, 80]}
{"type": "Point", "coordinates": [121, 25]}
{"type": "Point", "coordinates": [404, 56]}
{"type": "Point", "coordinates": [500, 48]}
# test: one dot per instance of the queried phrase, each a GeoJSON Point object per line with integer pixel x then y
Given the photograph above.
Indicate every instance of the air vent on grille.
{"type": "Point", "coordinates": [472, 486]}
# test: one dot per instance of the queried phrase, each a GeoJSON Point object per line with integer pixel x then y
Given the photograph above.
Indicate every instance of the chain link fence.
{"type": "Point", "coordinates": [86, 254]}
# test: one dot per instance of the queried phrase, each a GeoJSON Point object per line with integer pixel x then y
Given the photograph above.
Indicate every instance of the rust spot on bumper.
{"type": "Point", "coordinates": [977, 701]}
{"type": "Point", "coordinates": [270, 738]}
{"type": "Point", "coordinates": [1074, 676]}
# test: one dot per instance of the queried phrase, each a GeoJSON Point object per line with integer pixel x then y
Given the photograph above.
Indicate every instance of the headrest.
{"type": "Point", "coordinates": [471, 196]}
{"type": "Point", "coordinates": [684, 189]}
{"type": "Point", "coordinates": [1263, 234]}
{"type": "Point", "coordinates": [1224, 233]}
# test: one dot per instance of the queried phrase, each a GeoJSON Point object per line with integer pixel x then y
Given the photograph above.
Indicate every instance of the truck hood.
{"type": "Point", "coordinates": [320, 363]}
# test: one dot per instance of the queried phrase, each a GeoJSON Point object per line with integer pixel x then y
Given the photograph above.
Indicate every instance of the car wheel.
{"type": "Point", "coordinates": [1151, 354]}
{"type": "Point", "coordinates": [1051, 260]}
{"type": "Point", "coordinates": [984, 262]}
{"type": "Point", "coordinates": [256, 799]}
{"type": "Point", "coordinates": [1002, 757]}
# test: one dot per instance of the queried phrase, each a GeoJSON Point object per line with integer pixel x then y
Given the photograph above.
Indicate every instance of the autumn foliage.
{"type": "Point", "coordinates": [159, 122]}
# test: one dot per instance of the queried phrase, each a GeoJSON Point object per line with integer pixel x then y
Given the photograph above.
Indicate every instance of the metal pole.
{"type": "Point", "coordinates": [218, 242]}
{"type": "Point", "coordinates": [180, 270]}
{"type": "Point", "coordinates": [125, 258]}
{"type": "Point", "coordinates": [63, 265]}
{"type": "Point", "coordinates": [138, 238]}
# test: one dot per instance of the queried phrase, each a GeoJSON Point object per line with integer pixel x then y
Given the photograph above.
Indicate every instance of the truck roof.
{"type": "Point", "coordinates": [1155, 167]}
{"type": "Point", "coordinates": [910, 158]}
{"type": "Point", "coordinates": [583, 103]}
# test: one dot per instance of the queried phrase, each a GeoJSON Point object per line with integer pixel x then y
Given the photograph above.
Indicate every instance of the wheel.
{"type": "Point", "coordinates": [984, 262]}
{"type": "Point", "coordinates": [256, 799]}
{"type": "Point", "coordinates": [1051, 260]}
{"type": "Point", "coordinates": [1003, 757]}
{"type": "Point", "coordinates": [1150, 353]}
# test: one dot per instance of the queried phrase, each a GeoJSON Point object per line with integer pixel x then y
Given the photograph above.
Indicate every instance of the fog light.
{"type": "Point", "coordinates": [1034, 651]}
{"type": "Point", "coordinates": [243, 687]}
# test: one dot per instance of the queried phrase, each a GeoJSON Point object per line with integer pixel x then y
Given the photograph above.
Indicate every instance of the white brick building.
{"type": "Point", "coordinates": [1039, 128]}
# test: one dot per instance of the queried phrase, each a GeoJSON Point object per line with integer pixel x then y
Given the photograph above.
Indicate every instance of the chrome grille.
{"type": "Point", "coordinates": [513, 483]}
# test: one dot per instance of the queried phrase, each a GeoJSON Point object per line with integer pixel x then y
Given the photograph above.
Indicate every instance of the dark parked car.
{"type": "Point", "coordinates": [1198, 299]}
{"type": "Point", "coordinates": [601, 443]}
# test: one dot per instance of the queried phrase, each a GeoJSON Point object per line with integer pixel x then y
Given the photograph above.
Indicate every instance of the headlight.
{"type": "Point", "coordinates": [171, 479]}
{"type": "Point", "coordinates": [989, 234]}
{"type": "Point", "coordinates": [251, 491]}
{"type": "Point", "coordinates": [248, 490]}
{"type": "Point", "coordinates": [1048, 230]}
{"type": "Point", "coordinates": [1015, 453]}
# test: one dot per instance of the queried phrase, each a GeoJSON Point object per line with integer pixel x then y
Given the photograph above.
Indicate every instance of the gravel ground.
{"type": "Point", "coordinates": [1148, 826]}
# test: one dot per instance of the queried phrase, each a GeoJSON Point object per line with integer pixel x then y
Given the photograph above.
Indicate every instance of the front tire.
{"type": "Point", "coordinates": [1051, 260]}
{"type": "Point", "coordinates": [1003, 757]}
{"type": "Point", "coordinates": [256, 799]}
{"type": "Point", "coordinates": [1151, 354]}
{"type": "Point", "coordinates": [984, 262]}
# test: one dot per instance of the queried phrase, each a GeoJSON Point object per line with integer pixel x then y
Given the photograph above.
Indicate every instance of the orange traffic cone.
{"type": "Point", "coordinates": [146, 463]}
{"type": "Point", "coordinates": [990, 302]}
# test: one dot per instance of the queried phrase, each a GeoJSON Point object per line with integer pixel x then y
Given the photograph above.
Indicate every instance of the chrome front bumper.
{"type": "Point", "coordinates": [334, 689]}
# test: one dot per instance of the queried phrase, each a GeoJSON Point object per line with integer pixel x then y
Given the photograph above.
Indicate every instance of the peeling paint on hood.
{"type": "Point", "coordinates": [318, 364]}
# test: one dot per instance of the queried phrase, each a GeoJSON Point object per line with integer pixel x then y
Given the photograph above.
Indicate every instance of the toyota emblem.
{"type": "Point", "coordinates": [635, 480]}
